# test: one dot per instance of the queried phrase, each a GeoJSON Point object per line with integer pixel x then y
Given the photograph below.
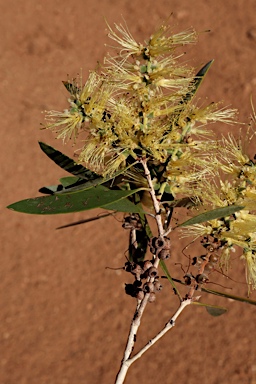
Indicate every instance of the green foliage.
{"type": "Point", "coordinates": [68, 164]}
{"type": "Point", "coordinates": [213, 310]}
{"type": "Point", "coordinates": [211, 215]}
{"type": "Point", "coordinates": [197, 81]}
{"type": "Point", "coordinates": [97, 197]}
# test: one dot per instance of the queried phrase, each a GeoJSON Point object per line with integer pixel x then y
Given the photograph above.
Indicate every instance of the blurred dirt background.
{"type": "Point", "coordinates": [64, 318]}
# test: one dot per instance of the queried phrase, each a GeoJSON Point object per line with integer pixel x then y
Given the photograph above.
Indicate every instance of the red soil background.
{"type": "Point", "coordinates": [64, 318]}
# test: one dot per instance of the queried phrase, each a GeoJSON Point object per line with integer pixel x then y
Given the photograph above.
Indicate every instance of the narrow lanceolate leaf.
{"type": "Point", "coordinates": [90, 178]}
{"type": "Point", "coordinates": [98, 197]}
{"type": "Point", "coordinates": [50, 189]}
{"type": "Point", "coordinates": [222, 294]}
{"type": "Point", "coordinates": [229, 296]}
{"type": "Point", "coordinates": [213, 310]}
{"type": "Point", "coordinates": [70, 184]}
{"type": "Point", "coordinates": [197, 82]}
{"type": "Point", "coordinates": [212, 215]}
{"type": "Point", "coordinates": [200, 75]}
{"type": "Point", "coordinates": [145, 225]}
{"type": "Point", "coordinates": [70, 87]}
{"type": "Point", "coordinates": [67, 163]}
{"type": "Point", "coordinates": [123, 205]}
{"type": "Point", "coordinates": [171, 280]}
{"type": "Point", "coordinates": [68, 181]}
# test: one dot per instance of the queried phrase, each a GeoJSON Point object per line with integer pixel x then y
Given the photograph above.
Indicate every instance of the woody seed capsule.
{"type": "Point", "coordinates": [158, 286]}
{"type": "Point", "coordinates": [148, 287]}
{"type": "Point", "coordinates": [202, 278]}
{"type": "Point", "coordinates": [140, 295]}
{"type": "Point", "coordinates": [152, 297]}
{"type": "Point", "coordinates": [152, 272]}
{"type": "Point", "coordinates": [146, 265]}
{"type": "Point", "coordinates": [214, 258]}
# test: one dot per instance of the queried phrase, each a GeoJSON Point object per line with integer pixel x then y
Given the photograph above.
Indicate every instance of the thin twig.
{"type": "Point", "coordinates": [128, 362]}
{"type": "Point", "coordinates": [167, 327]}
{"type": "Point", "coordinates": [142, 305]}
{"type": "Point", "coordinates": [154, 199]}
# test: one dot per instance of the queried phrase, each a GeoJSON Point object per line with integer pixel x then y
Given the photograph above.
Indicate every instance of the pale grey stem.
{"type": "Point", "coordinates": [126, 362]}
{"type": "Point", "coordinates": [131, 340]}
{"type": "Point", "coordinates": [167, 327]}
{"type": "Point", "coordinates": [153, 197]}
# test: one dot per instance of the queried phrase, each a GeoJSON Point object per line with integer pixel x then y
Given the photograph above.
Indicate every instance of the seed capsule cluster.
{"type": "Point", "coordinates": [161, 247]}
{"type": "Point", "coordinates": [132, 222]}
{"type": "Point", "coordinates": [205, 265]}
{"type": "Point", "coordinates": [147, 272]}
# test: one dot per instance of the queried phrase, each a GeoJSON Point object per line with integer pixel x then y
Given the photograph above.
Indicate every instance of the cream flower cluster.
{"type": "Point", "coordinates": [141, 104]}
{"type": "Point", "coordinates": [236, 185]}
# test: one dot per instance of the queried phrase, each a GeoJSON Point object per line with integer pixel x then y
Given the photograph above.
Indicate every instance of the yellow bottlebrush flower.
{"type": "Point", "coordinates": [187, 171]}
{"type": "Point", "coordinates": [250, 258]}
{"type": "Point", "coordinates": [239, 230]}
{"type": "Point", "coordinates": [139, 104]}
{"type": "Point", "coordinates": [123, 75]}
{"type": "Point", "coordinates": [67, 124]}
{"type": "Point", "coordinates": [86, 102]}
{"type": "Point", "coordinates": [160, 43]}
{"type": "Point", "coordinates": [232, 155]}
{"type": "Point", "coordinates": [211, 113]}
{"type": "Point", "coordinates": [248, 199]}
{"type": "Point", "coordinates": [244, 227]}
{"type": "Point", "coordinates": [99, 155]}
{"type": "Point", "coordinates": [197, 230]}
{"type": "Point", "coordinates": [128, 44]}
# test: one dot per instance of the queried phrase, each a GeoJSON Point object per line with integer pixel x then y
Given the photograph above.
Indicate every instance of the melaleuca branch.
{"type": "Point", "coordinates": [148, 151]}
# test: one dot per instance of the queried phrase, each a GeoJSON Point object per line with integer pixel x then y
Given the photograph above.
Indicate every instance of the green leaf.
{"type": "Point", "coordinates": [197, 82]}
{"type": "Point", "coordinates": [211, 215]}
{"type": "Point", "coordinates": [70, 87]}
{"type": "Point", "coordinates": [50, 189]}
{"type": "Point", "coordinates": [145, 225]}
{"type": "Point", "coordinates": [67, 163]}
{"type": "Point", "coordinates": [68, 181]}
{"type": "Point", "coordinates": [229, 296]}
{"type": "Point", "coordinates": [171, 280]}
{"type": "Point", "coordinates": [124, 205]}
{"type": "Point", "coordinates": [213, 310]}
{"type": "Point", "coordinates": [200, 75]}
{"type": "Point", "coordinates": [68, 184]}
{"type": "Point", "coordinates": [79, 185]}
{"type": "Point", "coordinates": [90, 178]}
{"type": "Point", "coordinates": [97, 197]}
{"type": "Point", "coordinates": [222, 294]}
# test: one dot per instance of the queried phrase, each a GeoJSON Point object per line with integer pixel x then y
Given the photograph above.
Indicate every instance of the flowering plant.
{"type": "Point", "coordinates": [147, 149]}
